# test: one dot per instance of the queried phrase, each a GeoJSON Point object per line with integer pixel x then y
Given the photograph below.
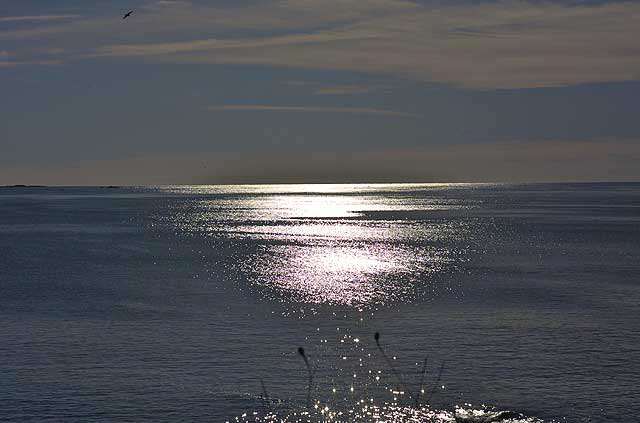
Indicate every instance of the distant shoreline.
{"type": "Point", "coordinates": [56, 186]}
{"type": "Point", "coordinates": [256, 184]}
{"type": "Point", "coordinates": [23, 186]}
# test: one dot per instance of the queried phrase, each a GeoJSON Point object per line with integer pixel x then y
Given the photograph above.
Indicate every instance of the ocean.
{"type": "Point", "coordinates": [190, 303]}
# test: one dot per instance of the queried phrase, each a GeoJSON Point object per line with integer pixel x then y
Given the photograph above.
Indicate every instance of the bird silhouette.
{"type": "Point", "coordinates": [127, 14]}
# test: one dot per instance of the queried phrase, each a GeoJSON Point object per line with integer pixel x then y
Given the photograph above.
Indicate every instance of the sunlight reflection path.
{"type": "Point", "coordinates": [321, 244]}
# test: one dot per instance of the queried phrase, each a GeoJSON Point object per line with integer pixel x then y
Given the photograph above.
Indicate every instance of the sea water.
{"type": "Point", "coordinates": [189, 303]}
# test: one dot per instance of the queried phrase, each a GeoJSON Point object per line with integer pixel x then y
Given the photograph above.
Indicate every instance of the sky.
{"type": "Point", "coordinates": [318, 91]}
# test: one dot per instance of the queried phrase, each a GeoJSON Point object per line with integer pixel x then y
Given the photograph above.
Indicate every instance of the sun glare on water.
{"type": "Point", "coordinates": [328, 245]}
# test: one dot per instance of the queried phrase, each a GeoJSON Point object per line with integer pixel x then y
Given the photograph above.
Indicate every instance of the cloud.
{"type": "Point", "coordinates": [207, 45]}
{"type": "Point", "coordinates": [351, 110]}
{"type": "Point", "coordinates": [504, 45]}
{"type": "Point", "coordinates": [346, 89]}
{"type": "Point", "coordinates": [170, 3]}
{"type": "Point", "coordinates": [319, 88]}
{"type": "Point", "coordinates": [486, 45]}
{"type": "Point", "coordinates": [37, 18]}
{"type": "Point", "coordinates": [11, 64]}
{"type": "Point", "coordinates": [163, 17]}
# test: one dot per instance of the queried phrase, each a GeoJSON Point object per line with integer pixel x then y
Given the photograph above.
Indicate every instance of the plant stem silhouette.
{"type": "Point", "coordinates": [436, 383]}
{"type": "Point", "coordinates": [306, 362]}
{"type": "Point", "coordinates": [397, 374]}
{"type": "Point", "coordinates": [423, 373]}
{"type": "Point", "coordinates": [266, 402]}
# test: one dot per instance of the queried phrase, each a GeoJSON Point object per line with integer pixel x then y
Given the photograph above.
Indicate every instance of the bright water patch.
{"type": "Point", "coordinates": [390, 413]}
{"type": "Point", "coordinates": [317, 244]}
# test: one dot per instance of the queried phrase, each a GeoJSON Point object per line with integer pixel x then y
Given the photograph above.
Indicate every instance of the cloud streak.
{"type": "Point", "coordinates": [12, 64]}
{"type": "Point", "coordinates": [346, 89]}
{"type": "Point", "coordinates": [309, 109]}
{"type": "Point", "coordinates": [156, 49]}
{"type": "Point", "coordinates": [37, 18]}
{"type": "Point", "coordinates": [506, 44]}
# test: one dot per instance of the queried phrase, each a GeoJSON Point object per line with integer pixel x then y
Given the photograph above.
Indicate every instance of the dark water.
{"type": "Point", "coordinates": [172, 304]}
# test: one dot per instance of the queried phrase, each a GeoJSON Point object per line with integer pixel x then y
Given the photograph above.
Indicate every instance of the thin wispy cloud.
{"type": "Point", "coordinates": [12, 64]}
{"type": "Point", "coordinates": [320, 88]}
{"type": "Point", "coordinates": [506, 44]}
{"type": "Point", "coordinates": [156, 49]}
{"type": "Point", "coordinates": [310, 109]}
{"type": "Point", "coordinates": [351, 89]}
{"type": "Point", "coordinates": [165, 3]}
{"type": "Point", "coordinates": [37, 18]}
{"type": "Point", "coordinates": [491, 45]}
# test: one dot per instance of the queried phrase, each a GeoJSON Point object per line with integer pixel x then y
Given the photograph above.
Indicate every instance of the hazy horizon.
{"type": "Point", "coordinates": [275, 184]}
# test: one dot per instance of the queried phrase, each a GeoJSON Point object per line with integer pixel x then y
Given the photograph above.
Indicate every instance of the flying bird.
{"type": "Point", "coordinates": [127, 14]}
